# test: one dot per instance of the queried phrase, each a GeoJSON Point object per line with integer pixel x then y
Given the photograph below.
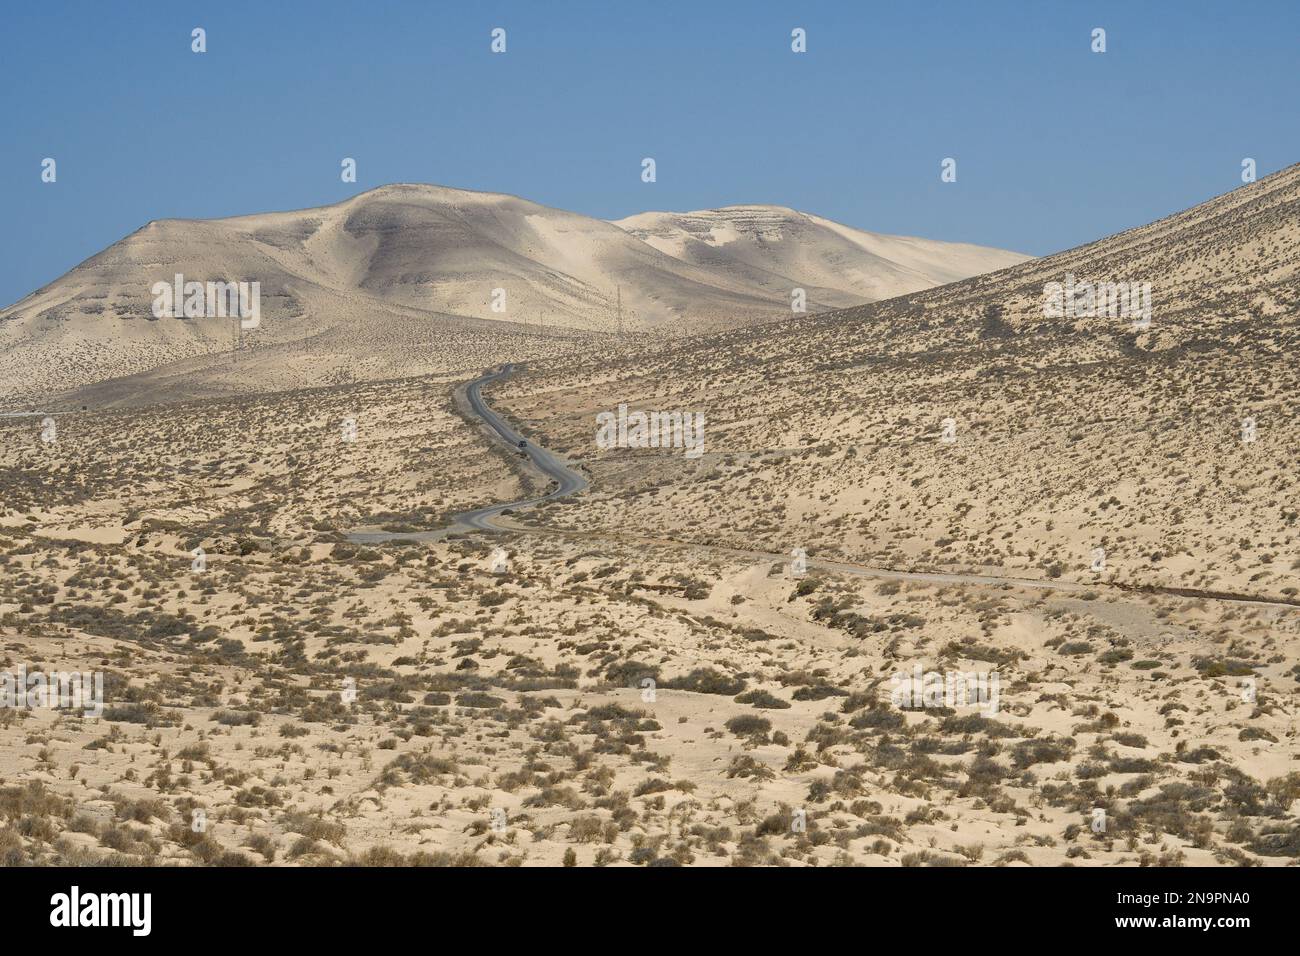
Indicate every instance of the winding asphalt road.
{"type": "Point", "coordinates": [567, 481]}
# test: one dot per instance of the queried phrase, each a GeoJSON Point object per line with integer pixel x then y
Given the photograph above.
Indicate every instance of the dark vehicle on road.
{"type": "Point", "coordinates": [523, 443]}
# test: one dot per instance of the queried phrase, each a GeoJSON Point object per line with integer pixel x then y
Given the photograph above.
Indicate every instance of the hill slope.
{"type": "Point", "coordinates": [1071, 433]}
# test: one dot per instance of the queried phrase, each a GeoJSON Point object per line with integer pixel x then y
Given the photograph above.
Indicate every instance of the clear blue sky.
{"type": "Point", "coordinates": [1055, 145]}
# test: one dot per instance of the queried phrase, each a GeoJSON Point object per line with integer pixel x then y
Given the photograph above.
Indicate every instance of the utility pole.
{"type": "Point", "coordinates": [620, 312]}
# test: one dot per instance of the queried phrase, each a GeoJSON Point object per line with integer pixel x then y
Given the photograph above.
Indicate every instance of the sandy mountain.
{"type": "Point", "coordinates": [776, 249]}
{"type": "Point", "coordinates": [400, 280]}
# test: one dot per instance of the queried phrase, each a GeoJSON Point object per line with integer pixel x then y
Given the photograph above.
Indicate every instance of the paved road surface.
{"type": "Point", "coordinates": [567, 481]}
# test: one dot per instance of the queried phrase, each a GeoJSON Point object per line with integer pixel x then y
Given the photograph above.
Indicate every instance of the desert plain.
{"type": "Point", "coordinates": [696, 660]}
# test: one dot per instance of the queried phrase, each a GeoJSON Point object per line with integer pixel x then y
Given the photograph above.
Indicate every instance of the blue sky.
{"type": "Point", "coordinates": [1055, 145]}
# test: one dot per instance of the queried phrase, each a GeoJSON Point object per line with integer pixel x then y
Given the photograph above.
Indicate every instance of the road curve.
{"type": "Point", "coordinates": [567, 481]}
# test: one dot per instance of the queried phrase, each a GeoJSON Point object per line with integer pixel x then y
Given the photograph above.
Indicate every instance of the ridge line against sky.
{"type": "Point", "coordinates": [854, 130]}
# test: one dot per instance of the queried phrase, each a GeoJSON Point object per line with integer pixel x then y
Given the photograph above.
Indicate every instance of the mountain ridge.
{"type": "Point", "coordinates": [398, 262]}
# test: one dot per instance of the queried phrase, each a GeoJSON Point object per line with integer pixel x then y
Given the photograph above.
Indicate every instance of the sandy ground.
{"type": "Point", "coordinates": [633, 678]}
